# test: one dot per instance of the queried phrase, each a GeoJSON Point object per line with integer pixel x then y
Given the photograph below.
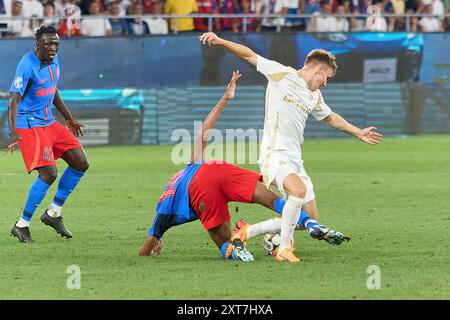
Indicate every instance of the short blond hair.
{"type": "Point", "coordinates": [322, 56]}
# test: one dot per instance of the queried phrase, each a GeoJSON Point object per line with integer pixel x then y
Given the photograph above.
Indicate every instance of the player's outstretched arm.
{"type": "Point", "coordinates": [12, 119]}
{"type": "Point", "coordinates": [210, 121]}
{"type": "Point", "coordinates": [236, 49]}
{"type": "Point", "coordinates": [73, 125]}
{"type": "Point", "coordinates": [367, 135]}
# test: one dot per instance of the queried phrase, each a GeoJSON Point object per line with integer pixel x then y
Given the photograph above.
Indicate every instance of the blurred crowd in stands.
{"type": "Point", "coordinates": [132, 17]}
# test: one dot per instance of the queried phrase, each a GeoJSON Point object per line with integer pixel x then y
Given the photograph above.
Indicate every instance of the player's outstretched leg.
{"type": "Point", "coordinates": [245, 231]}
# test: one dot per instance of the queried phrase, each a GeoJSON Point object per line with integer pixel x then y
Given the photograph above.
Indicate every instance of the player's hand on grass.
{"type": "Point", "coordinates": [369, 136]}
{"type": "Point", "coordinates": [229, 94]}
{"type": "Point", "coordinates": [75, 127]}
{"type": "Point", "coordinates": [157, 249]}
{"type": "Point", "coordinates": [209, 37]}
{"type": "Point", "coordinates": [13, 141]}
{"type": "Point", "coordinates": [152, 246]}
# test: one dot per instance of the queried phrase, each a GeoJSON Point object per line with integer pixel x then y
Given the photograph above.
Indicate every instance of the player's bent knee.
{"type": "Point", "coordinates": [83, 166]}
{"type": "Point", "coordinates": [50, 179]}
{"type": "Point", "coordinates": [298, 192]}
{"type": "Point", "coordinates": [294, 186]}
{"type": "Point", "coordinates": [48, 176]}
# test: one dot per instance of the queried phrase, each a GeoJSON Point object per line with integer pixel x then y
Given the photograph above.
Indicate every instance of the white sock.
{"type": "Point", "coordinates": [54, 210]}
{"type": "Point", "coordinates": [268, 226]}
{"type": "Point", "coordinates": [22, 223]}
{"type": "Point", "coordinates": [289, 219]}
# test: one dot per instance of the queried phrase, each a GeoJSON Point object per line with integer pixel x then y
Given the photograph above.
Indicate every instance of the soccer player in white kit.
{"type": "Point", "coordinates": [291, 96]}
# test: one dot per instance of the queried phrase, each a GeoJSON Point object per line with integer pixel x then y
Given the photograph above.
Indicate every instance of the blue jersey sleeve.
{"type": "Point", "coordinates": [161, 224]}
{"type": "Point", "coordinates": [22, 77]}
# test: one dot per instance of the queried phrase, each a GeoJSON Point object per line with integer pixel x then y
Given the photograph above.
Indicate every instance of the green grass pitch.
{"type": "Point", "coordinates": [393, 199]}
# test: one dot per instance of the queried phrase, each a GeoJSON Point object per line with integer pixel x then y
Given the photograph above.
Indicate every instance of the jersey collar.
{"type": "Point", "coordinates": [42, 64]}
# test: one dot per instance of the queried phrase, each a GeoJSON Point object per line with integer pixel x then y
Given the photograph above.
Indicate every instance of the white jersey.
{"type": "Point", "coordinates": [289, 101]}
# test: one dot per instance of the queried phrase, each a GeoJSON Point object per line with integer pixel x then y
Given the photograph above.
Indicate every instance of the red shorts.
{"type": "Point", "coordinates": [214, 185]}
{"type": "Point", "coordinates": [42, 146]}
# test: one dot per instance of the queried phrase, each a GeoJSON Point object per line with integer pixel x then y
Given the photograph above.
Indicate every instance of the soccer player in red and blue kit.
{"type": "Point", "coordinates": [41, 139]}
{"type": "Point", "coordinates": [203, 189]}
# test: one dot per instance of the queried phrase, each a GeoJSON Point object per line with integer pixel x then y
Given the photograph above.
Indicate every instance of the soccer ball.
{"type": "Point", "coordinates": [271, 243]}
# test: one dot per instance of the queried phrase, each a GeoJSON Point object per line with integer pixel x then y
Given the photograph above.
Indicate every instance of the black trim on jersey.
{"type": "Point", "coordinates": [45, 64]}
{"type": "Point", "coordinates": [162, 223]}
{"type": "Point", "coordinates": [30, 82]}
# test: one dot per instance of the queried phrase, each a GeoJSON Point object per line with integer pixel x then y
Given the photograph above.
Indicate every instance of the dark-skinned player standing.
{"type": "Point", "coordinates": [41, 139]}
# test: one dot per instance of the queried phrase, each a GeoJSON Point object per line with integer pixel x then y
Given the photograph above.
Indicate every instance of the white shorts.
{"type": "Point", "coordinates": [278, 167]}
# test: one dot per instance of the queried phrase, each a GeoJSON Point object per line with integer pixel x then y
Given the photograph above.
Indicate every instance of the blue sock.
{"type": "Point", "coordinates": [37, 193]}
{"type": "Point", "coordinates": [305, 220]}
{"type": "Point", "coordinates": [66, 185]}
{"type": "Point", "coordinates": [223, 250]}
{"type": "Point", "coordinates": [279, 205]}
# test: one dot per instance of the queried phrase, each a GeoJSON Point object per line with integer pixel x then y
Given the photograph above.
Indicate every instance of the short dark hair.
{"type": "Point", "coordinates": [50, 4]}
{"type": "Point", "coordinates": [43, 30]}
{"type": "Point", "coordinates": [322, 56]}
